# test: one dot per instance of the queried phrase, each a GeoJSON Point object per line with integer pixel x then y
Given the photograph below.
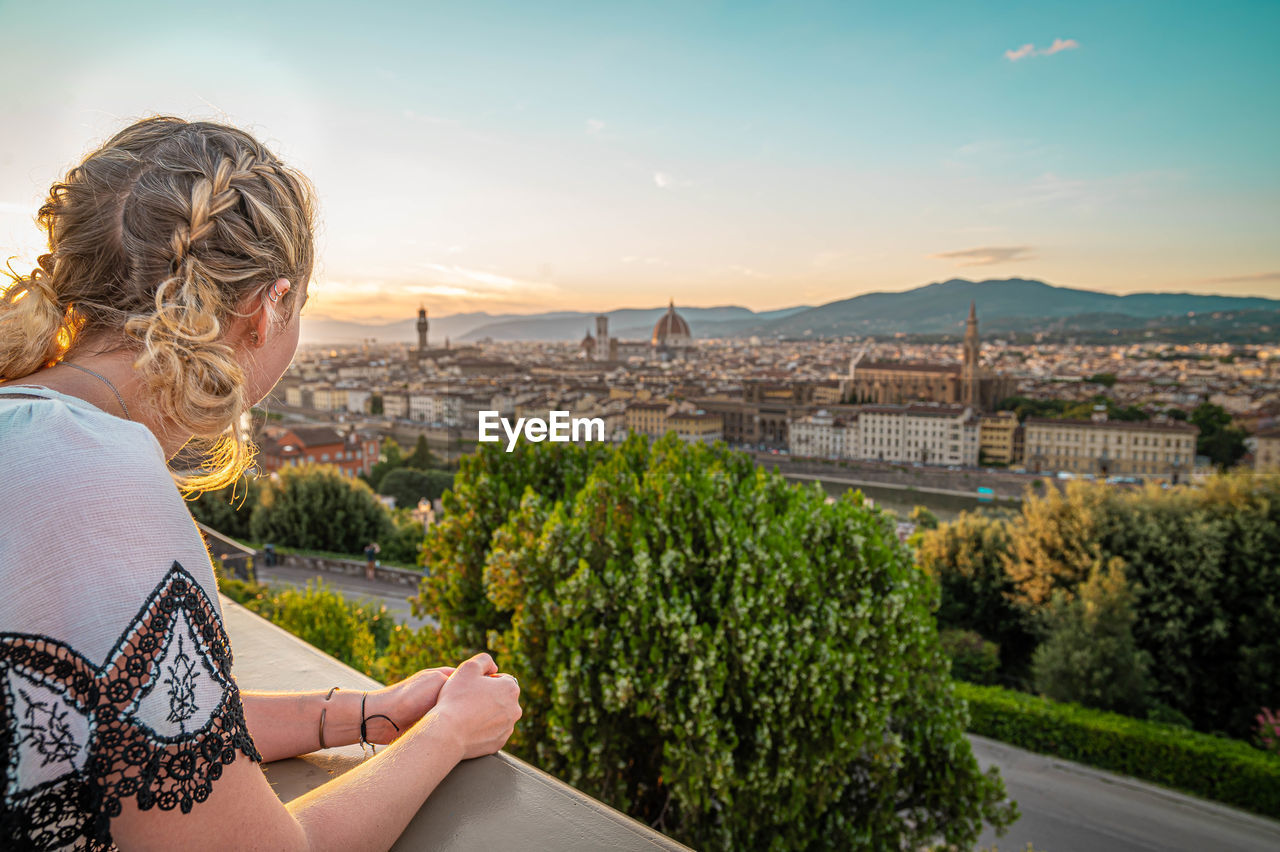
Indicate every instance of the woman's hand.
{"type": "Point", "coordinates": [480, 705]}
{"type": "Point", "coordinates": [405, 702]}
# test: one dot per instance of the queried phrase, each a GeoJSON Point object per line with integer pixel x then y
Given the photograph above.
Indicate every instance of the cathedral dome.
{"type": "Point", "coordinates": [671, 329]}
{"type": "Point", "coordinates": [588, 343]}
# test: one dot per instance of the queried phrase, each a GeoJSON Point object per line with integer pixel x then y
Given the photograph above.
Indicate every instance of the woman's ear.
{"type": "Point", "coordinates": [268, 312]}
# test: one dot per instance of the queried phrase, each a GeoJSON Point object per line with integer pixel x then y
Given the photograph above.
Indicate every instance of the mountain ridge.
{"type": "Point", "coordinates": [939, 307]}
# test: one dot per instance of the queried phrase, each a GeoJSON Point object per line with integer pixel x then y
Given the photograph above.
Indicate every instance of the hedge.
{"type": "Point", "coordinates": [1217, 768]}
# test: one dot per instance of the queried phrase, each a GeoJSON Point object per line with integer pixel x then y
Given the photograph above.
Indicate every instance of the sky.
{"type": "Point", "coordinates": [522, 157]}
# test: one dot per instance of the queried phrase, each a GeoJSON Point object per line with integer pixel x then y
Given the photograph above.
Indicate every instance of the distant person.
{"type": "Point", "coordinates": [269, 554]}
{"type": "Point", "coordinates": [371, 561]}
{"type": "Point", "coordinates": [167, 305]}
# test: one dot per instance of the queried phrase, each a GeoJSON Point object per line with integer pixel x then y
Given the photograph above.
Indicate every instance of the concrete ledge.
{"type": "Point", "coordinates": [490, 803]}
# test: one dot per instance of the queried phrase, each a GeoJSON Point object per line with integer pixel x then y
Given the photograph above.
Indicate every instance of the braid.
{"type": "Point", "coordinates": [158, 238]}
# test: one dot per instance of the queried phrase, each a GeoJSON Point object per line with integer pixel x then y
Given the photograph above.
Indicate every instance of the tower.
{"type": "Point", "coordinates": [422, 330]}
{"type": "Point", "coordinates": [602, 338]}
{"type": "Point", "coordinates": [972, 354]}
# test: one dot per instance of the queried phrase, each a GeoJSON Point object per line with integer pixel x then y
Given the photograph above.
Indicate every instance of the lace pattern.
{"type": "Point", "coordinates": [156, 721]}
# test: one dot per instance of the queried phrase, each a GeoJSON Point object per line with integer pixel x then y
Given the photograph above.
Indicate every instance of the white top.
{"type": "Point", "coordinates": [115, 670]}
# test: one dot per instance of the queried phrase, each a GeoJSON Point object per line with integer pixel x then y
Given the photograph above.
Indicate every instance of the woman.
{"type": "Point", "coordinates": [168, 304]}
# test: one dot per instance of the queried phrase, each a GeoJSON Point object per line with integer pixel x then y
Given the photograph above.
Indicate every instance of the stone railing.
{"type": "Point", "coordinates": [495, 802]}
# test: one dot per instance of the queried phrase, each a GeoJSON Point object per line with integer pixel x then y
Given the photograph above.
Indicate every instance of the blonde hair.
{"type": "Point", "coordinates": [155, 239]}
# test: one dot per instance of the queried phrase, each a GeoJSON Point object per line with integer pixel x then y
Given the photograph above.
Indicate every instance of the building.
{"type": "Point", "coordinates": [927, 434]}
{"type": "Point", "coordinates": [966, 383]}
{"type": "Point", "coordinates": [671, 336]}
{"type": "Point", "coordinates": [1102, 447]}
{"type": "Point", "coordinates": [696, 426]}
{"type": "Point", "coordinates": [1000, 438]}
{"type": "Point", "coordinates": [647, 418]}
{"type": "Point", "coordinates": [1266, 456]}
{"type": "Point", "coordinates": [823, 435]}
{"type": "Point", "coordinates": [351, 454]}
{"type": "Point", "coordinates": [421, 351]}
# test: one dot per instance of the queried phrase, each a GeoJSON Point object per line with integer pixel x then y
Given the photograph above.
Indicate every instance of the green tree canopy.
{"type": "Point", "coordinates": [316, 508]}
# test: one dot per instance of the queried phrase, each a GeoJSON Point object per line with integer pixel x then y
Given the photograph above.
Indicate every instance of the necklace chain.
{"type": "Point", "coordinates": [119, 398]}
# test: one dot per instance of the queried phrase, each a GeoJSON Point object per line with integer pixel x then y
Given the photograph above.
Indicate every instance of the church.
{"type": "Point", "coordinates": [671, 340]}
{"type": "Point", "coordinates": [895, 383]}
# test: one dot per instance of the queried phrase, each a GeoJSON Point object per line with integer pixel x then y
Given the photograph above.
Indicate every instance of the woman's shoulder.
{"type": "Point", "coordinates": [93, 524]}
{"type": "Point", "coordinates": [46, 429]}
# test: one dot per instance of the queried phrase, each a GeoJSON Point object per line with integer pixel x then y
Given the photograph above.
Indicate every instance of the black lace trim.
{"type": "Point", "coordinates": [49, 692]}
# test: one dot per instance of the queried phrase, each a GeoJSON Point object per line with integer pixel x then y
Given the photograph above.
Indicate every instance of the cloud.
{"type": "Point", "coordinates": [594, 126]}
{"type": "Point", "coordinates": [988, 255]}
{"type": "Point", "coordinates": [662, 180]}
{"type": "Point", "coordinates": [1245, 279]}
{"type": "Point", "coordinates": [1059, 45]}
{"type": "Point", "coordinates": [1021, 53]}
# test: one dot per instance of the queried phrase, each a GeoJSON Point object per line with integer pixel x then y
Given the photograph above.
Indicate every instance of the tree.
{"type": "Point", "coordinates": [1107, 380]}
{"type": "Point", "coordinates": [422, 458]}
{"type": "Point", "coordinates": [968, 558]}
{"type": "Point", "coordinates": [1219, 439]}
{"type": "Point", "coordinates": [375, 404]}
{"type": "Point", "coordinates": [229, 510]}
{"type": "Point", "coordinates": [409, 486]}
{"type": "Point", "coordinates": [1091, 657]}
{"type": "Point", "coordinates": [392, 458]}
{"type": "Point", "coordinates": [682, 623]}
{"type": "Point", "coordinates": [316, 508]}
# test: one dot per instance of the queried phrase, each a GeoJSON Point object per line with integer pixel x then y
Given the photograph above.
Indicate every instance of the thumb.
{"type": "Point", "coordinates": [482, 663]}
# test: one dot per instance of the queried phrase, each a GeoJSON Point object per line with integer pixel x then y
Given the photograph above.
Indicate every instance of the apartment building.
{"type": "Point", "coordinates": [1000, 438]}
{"type": "Point", "coordinates": [927, 434]}
{"type": "Point", "coordinates": [696, 426]}
{"type": "Point", "coordinates": [823, 435]}
{"type": "Point", "coordinates": [647, 418]}
{"type": "Point", "coordinates": [1104, 447]}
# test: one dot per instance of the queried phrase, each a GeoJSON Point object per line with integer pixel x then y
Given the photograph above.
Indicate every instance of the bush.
{"type": "Point", "coordinates": [972, 658]}
{"type": "Point", "coordinates": [1204, 562]}
{"type": "Point", "coordinates": [355, 632]}
{"type": "Point", "coordinates": [409, 486]}
{"type": "Point", "coordinates": [229, 510]}
{"type": "Point", "coordinates": [315, 507]}
{"type": "Point", "coordinates": [967, 557]}
{"type": "Point", "coordinates": [683, 625]}
{"type": "Point", "coordinates": [1090, 656]}
{"type": "Point", "coordinates": [1216, 768]}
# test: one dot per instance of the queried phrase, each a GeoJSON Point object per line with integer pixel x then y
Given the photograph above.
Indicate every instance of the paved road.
{"type": "Point", "coordinates": [395, 596]}
{"type": "Point", "coordinates": [1067, 807]}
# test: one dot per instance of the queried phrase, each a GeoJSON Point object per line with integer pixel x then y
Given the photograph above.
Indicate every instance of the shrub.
{"type": "Point", "coordinates": [1269, 731]}
{"type": "Point", "coordinates": [315, 507]}
{"type": "Point", "coordinates": [229, 510]}
{"type": "Point", "coordinates": [1216, 768]}
{"type": "Point", "coordinates": [409, 486]}
{"type": "Point", "coordinates": [1204, 562]}
{"type": "Point", "coordinates": [972, 658]}
{"type": "Point", "coordinates": [967, 557]}
{"type": "Point", "coordinates": [684, 625]}
{"type": "Point", "coordinates": [1090, 656]}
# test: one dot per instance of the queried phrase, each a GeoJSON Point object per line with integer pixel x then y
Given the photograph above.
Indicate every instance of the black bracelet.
{"type": "Point", "coordinates": [364, 721]}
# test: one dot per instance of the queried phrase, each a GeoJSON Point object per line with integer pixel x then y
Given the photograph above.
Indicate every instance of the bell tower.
{"type": "Point", "coordinates": [972, 354]}
{"type": "Point", "coordinates": [422, 331]}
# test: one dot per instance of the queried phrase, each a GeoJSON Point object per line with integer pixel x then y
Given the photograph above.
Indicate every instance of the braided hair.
{"type": "Point", "coordinates": [156, 240]}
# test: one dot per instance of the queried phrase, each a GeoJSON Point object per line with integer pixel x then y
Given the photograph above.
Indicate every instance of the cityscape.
{"type": "Point", "coordinates": [1123, 409]}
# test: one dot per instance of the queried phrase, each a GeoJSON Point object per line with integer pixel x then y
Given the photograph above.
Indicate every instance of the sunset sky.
{"type": "Point", "coordinates": [529, 156]}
